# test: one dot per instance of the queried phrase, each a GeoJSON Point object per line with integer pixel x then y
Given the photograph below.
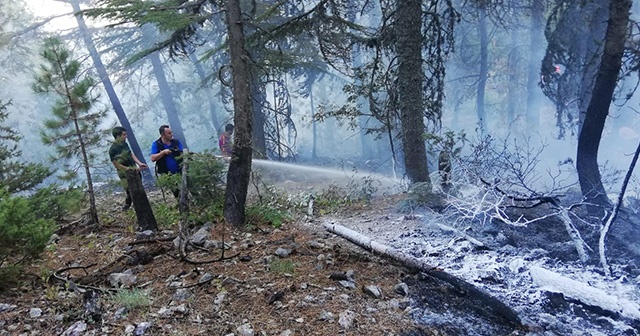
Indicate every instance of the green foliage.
{"type": "Point", "coordinates": [421, 195]}
{"type": "Point", "coordinates": [362, 190]}
{"type": "Point", "coordinates": [167, 182]}
{"type": "Point", "coordinates": [55, 202]}
{"type": "Point", "coordinates": [74, 129]}
{"type": "Point", "coordinates": [449, 142]}
{"type": "Point", "coordinates": [281, 266]}
{"type": "Point", "coordinates": [165, 215]}
{"type": "Point", "coordinates": [132, 298]}
{"type": "Point", "coordinates": [331, 199]}
{"type": "Point", "coordinates": [16, 176]}
{"type": "Point", "coordinates": [206, 178]}
{"type": "Point", "coordinates": [265, 214]}
{"type": "Point", "coordinates": [23, 234]}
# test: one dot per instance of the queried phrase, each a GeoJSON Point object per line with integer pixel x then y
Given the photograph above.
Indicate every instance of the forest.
{"type": "Point", "coordinates": [503, 124]}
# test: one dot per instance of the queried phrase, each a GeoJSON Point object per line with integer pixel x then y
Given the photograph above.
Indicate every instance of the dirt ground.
{"type": "Point", "coordinates": [250, 290]}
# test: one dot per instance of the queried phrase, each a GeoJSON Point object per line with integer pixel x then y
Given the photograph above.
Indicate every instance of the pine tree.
{"type": "Point", "coordinates": [73, 131]}
{"type": "Point", "coordinates": [16, 176]}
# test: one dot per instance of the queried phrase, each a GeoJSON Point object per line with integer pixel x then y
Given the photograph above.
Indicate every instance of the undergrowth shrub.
{"type": "Point", "coordinates": [206, 179]}
{"type": "Point", "coordinates": [421, 195]}
{"type": "Point", "coordinates": [331, 199]}
{"type": "Point", "coordinates": [265, 214]}
{"type": "Point", "coordinates": [271, 206]}
{"type": "Point", "coordinates": [166, 215]}
{"type": "Point", "coordinates": [55, 202]}
{"type": "Point", "coordinates": [23, 235]}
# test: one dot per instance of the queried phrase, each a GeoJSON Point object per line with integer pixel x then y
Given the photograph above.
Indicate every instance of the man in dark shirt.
{"type": "Point", "coordinates": [123, 159]}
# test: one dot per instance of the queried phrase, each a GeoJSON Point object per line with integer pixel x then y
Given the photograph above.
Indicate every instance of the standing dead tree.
{"type": "Point", "coordinates": [614, 214]}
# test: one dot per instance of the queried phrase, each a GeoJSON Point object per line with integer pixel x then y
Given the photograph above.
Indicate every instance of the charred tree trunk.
{"type": "Point", "coordinates": [167, 99]}
{"type": "Point", "coordinates": [111, 93]}
{"type": "Point", "coordinates": [144, 213]}
{"type": "Point", "coordinates": [514, 78]}
{"type": "Point", "coordinates": [484, 69]}
{"type": "Point", "coordinates": [592, 53]}
{"type": "Point", "coordinates": [314, 126]}
{"type": "Point", "coordinates": [258, 136]}
{"type": "Point", "coordinates": [410, 94]}
{"type": "Point", "coordinates": [533, 76]}
{"type": "Point", "coordinates": [240, 164]}
{"type": "Point", "coordinates": [605, 84]}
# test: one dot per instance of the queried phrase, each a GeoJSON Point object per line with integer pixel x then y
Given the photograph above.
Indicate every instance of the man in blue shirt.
{"type": "Point", "coordinates": [166, 152]}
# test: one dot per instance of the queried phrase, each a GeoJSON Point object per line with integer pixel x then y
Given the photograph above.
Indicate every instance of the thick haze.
{"type": "Point", "coordinates": [336, 143]}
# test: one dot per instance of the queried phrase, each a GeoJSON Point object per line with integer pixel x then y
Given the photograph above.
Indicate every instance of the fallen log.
{"type": "Point", "coordinates": [585, 293]}
{"type": "Point", "coordinates": [498, 307]}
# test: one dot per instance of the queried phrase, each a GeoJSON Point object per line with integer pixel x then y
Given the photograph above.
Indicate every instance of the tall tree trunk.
{"type": "Point", "coordinates": [240, 165]}
{"type": "Point", "coordinates": [410, 95]}
{"type": "Point", "coordinates": [207, 92]}
{"type": "Point", "coordinates": [514, 79]}
{"type": "Point", "coordinates": [167, 99]}
{"type": "Point", "coordinates": [111, 93]}
{"type": "Point", "coordinates": [93, 210]}
{"type": "Point", "coordinates": [593, 51]}
{"type": "Point", "coordinates": [484, 69]}
{"type": "Point", "coordinates": [535, 57]}
{"type": "Point", "coordinates": [259, 97]}
{"type": "Point", "coordinates": [141, 206]}
{"type": "Point", "coordinates": [314, 126]}
{"type": "Point", "coordinates": [605, 84]}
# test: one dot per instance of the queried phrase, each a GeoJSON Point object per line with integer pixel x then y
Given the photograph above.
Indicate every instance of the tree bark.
{"type": "Point", "coordinates": [605, 84]}
{"type": "Point", "coordinates": [592, 51]}
{"type": "Point", "coordinates": [258, 137]}
{"type": "Point", "coordinates": [513, 91]}
{"type": "Point", "coordinates": [605, 229]}
{"type": "Point", "coordinates": [410, 94]}
{"type": "Point", "coordinates": [533, 76]}
{"type": "Point", "coordinates": [240, 164]}
{"type": "Point", "coordinates": [108, 87]}
{"type": "Point", "coordinates": [167, 99]}
{"type": "Point", "coordinates": [314, 126]}
{"type": "Point", "coordinates": [484, 69]}
{"type": "Point", "coordinates": [144, 213]}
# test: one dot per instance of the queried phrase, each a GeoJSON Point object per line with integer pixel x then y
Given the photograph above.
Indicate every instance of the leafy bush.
{"type": "Point", "coordinates": [331, 199]}
{"type": "Point", "coordinates": [363, 189]}
{"type": "Point", "coordinates": [206, 179]}
{"type": "Point", "coordinates": [16, 176]}
{"type": "Point", "coordinates": [56, 203]}
{"type": "Point", "coordinates": [23, 234]}
{"type": "Point", "coordinates": [421, 195]}
{"type": "Point", "coordinates": [168, 182]}
{"type": "Point", "coordinates": [165, 215]}
{"type": "Point", "coordinates": [265, 214]}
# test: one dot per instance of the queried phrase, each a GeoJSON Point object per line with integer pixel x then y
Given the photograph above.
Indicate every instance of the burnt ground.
{"type": "Point", "coordinates": [252, 289]}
